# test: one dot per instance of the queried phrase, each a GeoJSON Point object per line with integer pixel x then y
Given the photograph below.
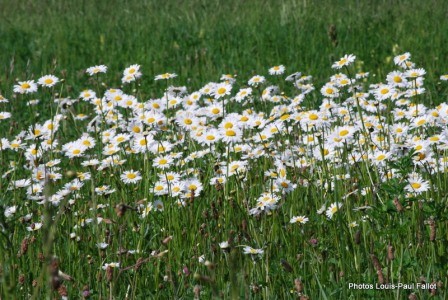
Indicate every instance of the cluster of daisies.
{"type": "Point", "coordinates": [248, 133]}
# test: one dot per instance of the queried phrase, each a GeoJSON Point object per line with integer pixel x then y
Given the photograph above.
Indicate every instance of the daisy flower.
{"type": "Point", "coordinates": [90, 163]}
{"type": "Point", "coordinates": [277, 70]}
{"type": "Point", "coordinates": [25, 87]}
{"type": "Point", "coordinates": [252, 251]}
{"type": "Point", "coordinates": [329, 91]}
{"type": "Point", "coordinates": [401, 59]}
{"type": "Point", "coordinates": [3, 99]}
{"type": "Point", "coordinates": [87, 95]}
{"type": "Point", "coordinates": [132, 70]}
{"type": "Point", "coordinates": [174, 101]}
{"type": "Point", "coordinates": [256, 80]}
{"type": "Point", "coordinates": [414, 73]}
{"type": "Point", "coordinates": [142, 143]}
{"type": "Point", "coordinates": [87, 141]}
{"type": "Point", "coordinates": [224, 245]}
{"type": "Point", "coordinates": [10, 211]}
{"type": "Point", "coordinates": [176, 187]}
{"type": "Point", "coordinates": [96, 69]}
{"type": "Point", "coordinates": [222, 90]}
{"type": "Point", "coordinates": [243, 94]}
{"type": "Point", "coordinates": [193, 185]}
{"type": "Point", "coordinates": [334, 207]}
{"type": "Point", "coordinates": [187, 120]}
{"type": "Point", "coordinates": [111, 265]}
{"type": "Point", "coordinates": [346, 60]}
{"type": "Point", "coordinates": [380, 158]}
{"type": "Point", "coordinates": [294, 77]}
{"type": "Point", "coordinates": [444, 77]}
{"type": "Point", "coordinates": [160, 188]}
{"type": "Point", "coordinates": [285, 185]}
{"type": "Point", "coordinates": [209, 137]}
{"type": "Point", "coordinates": [299, 219]}
{"type": "Point", "coordinates": [158, 205]}
{"type": "Point", "coordinates": [396, 78]}
{"type": "Point", "coordinates": [48, 80]}
{"type": "Point", "coordinates": [231, 135]}
{"type": "Point", "coordinates": [104, 190]}
{"type": "Point", "coordinates": [4, 115]}
{"type": "Point", "coordinates": [417, 185]}
{"type": "Point", "coordinates": [229, 78]}
{"type": "Point", "coordinates": [162, 162]}
{"type": "Point", "coordinates": [131, 176]}
{"type": "Point", "coordinates": [102, 245]}
{"type": "Point", "coordinates": [213, 111]}
{"type": "Point", "coordinates": [147, 210]}
{"type": "Point", "coordinates": [34, 227]}
{"type": "Point", "coordinates": [74, 149]}
{"type": "Point", "coordinates": [384, 92]}
{"type": "Point", "coordinates": [165, 76]}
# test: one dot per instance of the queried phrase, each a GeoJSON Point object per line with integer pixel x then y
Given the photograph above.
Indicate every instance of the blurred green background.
{"type": "Point", "coordinates": [202, 39]}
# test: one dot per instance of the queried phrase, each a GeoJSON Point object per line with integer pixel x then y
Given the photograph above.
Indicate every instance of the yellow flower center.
{"type": "Point", "coordinates": [381, 157]}
{"type": "Point", "coordinates": [230, 133]}
{"type": "Point", "coordinates": [131, 175]}
{"type": "Point", "coordinates": [284, 117]}
{"type": "Point", "coordinates": [416, 185]}
{"type": "Point", "coordinates": [343, 132]}
{"type": "Point", "coordinates": [314, 117]}
{"type": "Point", "coordinates": [25, 85]}
{"type": "Point", "coordinates": [342, 61]}
{"type": "Point", "coordinates": [228, 125]}
{"type": "Point", "coordinates": [434, 138]}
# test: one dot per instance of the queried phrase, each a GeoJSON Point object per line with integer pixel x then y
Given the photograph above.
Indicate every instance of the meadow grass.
{"type": "Point", "coordinates": [117, 240]}
{"type": "Point", "coordinates": [199, 40]}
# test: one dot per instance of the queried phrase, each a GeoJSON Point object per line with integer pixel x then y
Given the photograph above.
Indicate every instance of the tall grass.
{"type": "Point", "coordinates": [200, 39]}
{"type": "Point", "coordinates": [381, 233]}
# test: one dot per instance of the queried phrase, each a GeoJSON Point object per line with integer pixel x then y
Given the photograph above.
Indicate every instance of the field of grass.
{"type": "Point", "coordinates": [252, 185]}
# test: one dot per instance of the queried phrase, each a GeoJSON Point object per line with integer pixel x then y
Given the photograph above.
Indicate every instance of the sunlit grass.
{"type": "Point", "coordinates": [243, 185]}
{"type": "Point", "coordinates": [206, 194]}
